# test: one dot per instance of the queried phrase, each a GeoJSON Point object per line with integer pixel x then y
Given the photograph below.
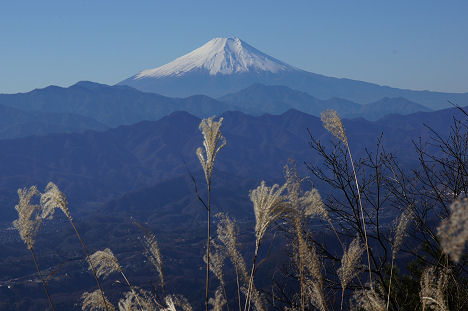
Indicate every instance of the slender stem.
{"type": "Point", "coordinates": [342, 298]}
{"type": "Point", "coordinates": [42, 279]}
{"type": "Point", "coordinates": [208, 248]}
{"type": "Point", "coordinates": [238, 289]}
{"type": "Point", "coordinates": [90, 263]}
{"type": "Point", "coordinates": [252, 273]}
{"type": "Point", "coordinates": [362, 215]}
{"type": "Point", "coordinates": [390, 284]}
{"type": "Point", "coordinates": [300, 241]}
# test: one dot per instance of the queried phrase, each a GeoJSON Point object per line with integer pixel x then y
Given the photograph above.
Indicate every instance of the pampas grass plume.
{"type": "Point", "coordinates": [453, 231]}
{"type": "Point", "coordinates": [94, 302]}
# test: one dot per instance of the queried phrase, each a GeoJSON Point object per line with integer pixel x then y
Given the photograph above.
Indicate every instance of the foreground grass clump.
{"type": "Point", "coordinates": [321, 274]}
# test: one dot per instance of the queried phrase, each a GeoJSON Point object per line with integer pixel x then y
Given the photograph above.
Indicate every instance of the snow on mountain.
{"type": "Point", "coordinates": [228, 65]}
{"type": "Point", "coordinates": [219, 56]}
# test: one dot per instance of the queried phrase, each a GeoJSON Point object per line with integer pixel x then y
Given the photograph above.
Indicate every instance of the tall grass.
{"type": "Point", "coordinates": [319, 287]}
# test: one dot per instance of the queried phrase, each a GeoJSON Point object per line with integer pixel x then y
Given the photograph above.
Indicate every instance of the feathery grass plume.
{"type": "Point", "coordinates": [400, 234]}
{"type": "Point", "coordinates": [105, 263]}
{"type": "Point", "coordinates": [218, 302]}
{"type": "Point", "coordinates": [316, 296]}
{"type": "Point", "coordinates": [433, 285]}
{"type": "Point", "coordinates": [332, 122]}
{"type": "Point", "coordinates": [29, 220]}
{"type": "Point", "coordinates": [227, 233]}
{"type": "Point", "coordinates": [269, 204]}
{"type": "Point", "coordinates": [213, 141]}
{"type": "Point", "coordinates": [308, 203]}
{"type": "Point", "coordinates": [132, 299]}
{"type": "Point", "coordinates": [301, 206]}
{"type": "Point", "coordinates": [154, 255]}
{"type": "Point", "coordinates": [174, 301]}
{"type": "Point", "coordinates": [350, 264]}
{"type": "Point", "coordinates": [453, 231]}
{"type": "Point", "coordinates": [368, 300]}
{"type": "Point", "coordinates": [51, 199]}
{"type": "Point", "coordinates": [401, 229]}
{"type": "Point", "coordinates": [314, 279]}
{"type": "Point", "coordinates": [94, 302]}
{"type": "Point", "coordinates": [28, 224]}
{"type": "Point", "coordinates": [217, 261]}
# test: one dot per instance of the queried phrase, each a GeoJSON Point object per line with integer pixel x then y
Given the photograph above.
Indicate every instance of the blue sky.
{"type": "Point", "coordinates": [407, 44]}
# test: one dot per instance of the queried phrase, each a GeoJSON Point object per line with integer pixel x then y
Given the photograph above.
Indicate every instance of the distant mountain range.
{"type": "Point", "coordinates": [258, 99]}
{"type": "Point", "coordinates": [93, 167]}
{"type": "Point", "coordinates": [110, 105]}
{"type": "Point", "coordinates": [88, 105]}
{"type": "Point", "coordinates": [227, 65]}
{"type": "Point", "coordinates": [16, 123]}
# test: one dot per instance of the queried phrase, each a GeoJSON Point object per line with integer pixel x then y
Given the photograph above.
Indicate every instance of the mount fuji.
{"type": "Point", "coordinates": [227, 65]}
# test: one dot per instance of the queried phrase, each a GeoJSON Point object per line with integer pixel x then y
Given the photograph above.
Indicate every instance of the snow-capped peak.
{"type": "Point", "coordinates": [218, 56]}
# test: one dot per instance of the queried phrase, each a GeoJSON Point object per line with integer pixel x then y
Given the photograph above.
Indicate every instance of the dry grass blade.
{"type": "Point", "coordinates": [453, 231]}
{"type": "Point", "coordinates": [94, 302]}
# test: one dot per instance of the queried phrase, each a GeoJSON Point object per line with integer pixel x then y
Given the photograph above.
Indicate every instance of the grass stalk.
{"type": "Point", "coordinates": [208, 242]}
{"type": "Point", "coordinates": [252, 275]}
{"type": "Point", "coordinates": [362, 215]}
{"type": "Point", "coordinates": [89, 261]}
{"type": "Point", "coordinates": [42, 279]}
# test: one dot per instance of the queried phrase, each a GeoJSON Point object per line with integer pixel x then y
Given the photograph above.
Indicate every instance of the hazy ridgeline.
{"type": "Point", "coordinates": [379, 237]}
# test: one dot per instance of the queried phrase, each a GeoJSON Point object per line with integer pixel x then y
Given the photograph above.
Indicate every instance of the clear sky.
{"type": "Point", "coordinates": [407, 44]}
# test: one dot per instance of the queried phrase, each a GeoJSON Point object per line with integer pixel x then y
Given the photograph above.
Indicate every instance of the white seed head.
{"type": "Point", "coordinates": [316, 295]}
{"type": "Point", "coordinates": [227, 233]}
{"type": "Point", "coordinates": [369, 300]}
{"type": "Point", "coordinates": [29, 220]}
{"type": "Point", "coordinates": [53, 198]}
{"type": "Point", "coordinates": [401, 229]}
{"type": "Point", "coordinates": [332, 122]}
{"type": "Point", "coordinates": [94, 302]}
{"type": "Point", "coordinates": [218, 302]}
{"type": "Point", "coordinates": [104, 262]}
{"type": "Point", "coordinates": [213, 142]}
{"type": "Point", "coordinates": [350, 262]}
{"type": "Point", "coordinates": [453, 231]}
{"type": "Point", "coordinates": [174, 301]}
{"type": "Point", "coordinates": [217, 260]}
{"type": "Point", "coordinates": [313, 204]}
{"type": "Point", "coordinates": [433, 285]}
{"type": "Point", "coordinates": [269, 204]}
{"type": "Point", "coordinates": [135, 300]}
{"type": "Point", "coordinates": [153, 254]}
